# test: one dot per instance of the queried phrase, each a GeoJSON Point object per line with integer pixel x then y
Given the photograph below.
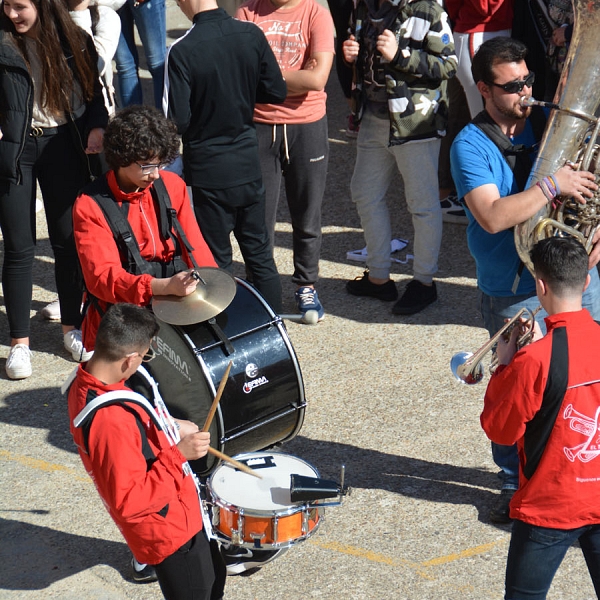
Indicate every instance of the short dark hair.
{"type": "Point", "coordinates": [137, 134]}
{"type": "Point", "coordinates": [498, 50]}
{"type": "Point", "coordinates": [562, 262]}
{"type": "Point", "coordinates": [125, 328]}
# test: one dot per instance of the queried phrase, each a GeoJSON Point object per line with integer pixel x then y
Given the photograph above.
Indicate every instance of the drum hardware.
{"type": "Point", "coordinates": [263, 402]}
{"type": "Point", "coordinates": [311, 489]}
{"type": "Point", "coordinates": [310, 317]}
{"type": "Point", "coordinates": [466, 366]}
{"type": "Point", "coordinates": [263, 516]}
{"type": "Point", "coordinates": [215, 290]}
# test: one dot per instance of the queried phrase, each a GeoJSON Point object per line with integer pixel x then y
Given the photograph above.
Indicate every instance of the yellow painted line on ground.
{"type": "Point", "coordinates": [419, 567]}
{"type": "Point", "coordinates": [40, 465]}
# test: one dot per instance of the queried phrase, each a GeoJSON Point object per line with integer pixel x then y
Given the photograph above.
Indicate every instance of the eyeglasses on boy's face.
{"type": "Point", "coordinates": [150, 168]}
{"type": "Point", "coordinates": [147, 357]}
{"type": "Point", "coordinates": [513, 87]}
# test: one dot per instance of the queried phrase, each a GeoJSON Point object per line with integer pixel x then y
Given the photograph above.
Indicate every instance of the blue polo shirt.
{"type": "Point", "coordinates": [475, 161]}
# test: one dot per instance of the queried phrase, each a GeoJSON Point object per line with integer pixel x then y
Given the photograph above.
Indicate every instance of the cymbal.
{"type": "Point", "coordinates": [214, 293]}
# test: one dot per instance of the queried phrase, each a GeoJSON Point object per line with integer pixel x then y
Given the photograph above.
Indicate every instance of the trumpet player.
{"type": "Point", "coordinates": [546, 398]}
{"type": "Point", "coordinates": [491, 159]}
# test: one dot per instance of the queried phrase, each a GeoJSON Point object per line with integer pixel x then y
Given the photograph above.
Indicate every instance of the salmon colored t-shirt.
{"type": "Point", "coordinates": [294, 35]}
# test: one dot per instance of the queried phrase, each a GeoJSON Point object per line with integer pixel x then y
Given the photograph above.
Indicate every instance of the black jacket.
{"type": "Point", "coordinates": [215, 74]}
{"type": "Point", "coordinates": [16, 107]}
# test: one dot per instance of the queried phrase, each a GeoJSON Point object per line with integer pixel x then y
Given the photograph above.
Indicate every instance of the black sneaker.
{"type": "Point", "coordinates": [453, 211]}
{"type": "Point", "coordinates": [500, 512]}
{"type": "Point", "coordinates": [361, 286]}
{"type": "Point", "coordinates": [416, 297]}
{"type": "Point", "coordinates": [146, 574]}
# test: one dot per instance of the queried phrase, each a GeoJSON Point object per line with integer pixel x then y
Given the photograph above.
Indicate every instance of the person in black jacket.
{"type": "Point", "coordinates": [52, 117]}
{"type": "Point", "coordinates": [215, 74]}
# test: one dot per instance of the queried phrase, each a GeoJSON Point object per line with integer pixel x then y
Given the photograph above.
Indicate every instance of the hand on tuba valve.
{"type": "Point", "coordinates": [466, 366]}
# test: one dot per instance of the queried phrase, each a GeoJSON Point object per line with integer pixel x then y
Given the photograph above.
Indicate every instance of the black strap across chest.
{"type": "Point", "coordinates": [519, 156]}
{"type": "Point", "coordinates": [538, 430]}
{"type": "Point", "coordinates": [169, 226]}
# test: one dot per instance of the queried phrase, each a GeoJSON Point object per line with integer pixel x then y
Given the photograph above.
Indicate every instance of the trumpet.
{"type": "Point", "coordinates": [467, 367]}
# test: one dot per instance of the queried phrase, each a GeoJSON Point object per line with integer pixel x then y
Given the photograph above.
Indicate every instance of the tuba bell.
{"type": "Point", "coordinates": [570, 137]}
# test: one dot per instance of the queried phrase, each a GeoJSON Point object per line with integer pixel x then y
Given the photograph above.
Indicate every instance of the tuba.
{"type": "Point", "coordinates": [570, 136]}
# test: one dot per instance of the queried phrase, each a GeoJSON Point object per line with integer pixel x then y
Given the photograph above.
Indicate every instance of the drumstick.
{"type": "Point", "coordinates": [237, 464]}
{"type": "Point", "coordinates": [213, 408]}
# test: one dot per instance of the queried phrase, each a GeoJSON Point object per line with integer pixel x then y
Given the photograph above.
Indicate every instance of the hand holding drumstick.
{"type": "Point", "coordinates": [207, 424]}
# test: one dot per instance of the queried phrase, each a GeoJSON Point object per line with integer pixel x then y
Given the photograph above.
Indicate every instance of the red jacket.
{"type": "Point", "coordinates": [134, 496]}
{"type": "Point", "coordinates": [104, 275]}
{"type": "Point", "coordinates": [563, 492]}
{"type": "Point", "coordinates": [470, 16]}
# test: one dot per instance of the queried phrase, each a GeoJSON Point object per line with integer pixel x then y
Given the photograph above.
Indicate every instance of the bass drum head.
{"type": "Point", "coordinates": [263, 400]}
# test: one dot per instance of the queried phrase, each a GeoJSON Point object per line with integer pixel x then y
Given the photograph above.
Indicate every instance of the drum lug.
{"type": "Point", "coordinates": [305, 514]}
{"type": "Point", "coordinates": [216, 515]}
{"type": "Point", "coordinates": [275, 529]}
{"type": "Point", "coordinates": [237, 535]}
{"type": "Point", "coordinates": [257, 537]}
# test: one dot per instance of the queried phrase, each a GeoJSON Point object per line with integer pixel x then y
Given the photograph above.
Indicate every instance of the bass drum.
{"type": "Point", "coordinates": [263, 401]}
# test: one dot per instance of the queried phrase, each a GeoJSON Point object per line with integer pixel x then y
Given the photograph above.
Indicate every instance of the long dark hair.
{"type": "Point", "coordinates": [58, 38]}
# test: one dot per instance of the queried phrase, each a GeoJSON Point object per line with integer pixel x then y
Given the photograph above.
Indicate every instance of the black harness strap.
{"type": "Point", "coordinates": [169, 222]}
{"type": "Point", "coordinates": [538, 430]}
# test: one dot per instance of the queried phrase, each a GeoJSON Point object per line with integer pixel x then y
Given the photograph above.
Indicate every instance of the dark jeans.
{"type": "Point", "coordinates": [535, 553]}
{"type": "Point", "coordinates": [340, 13]}
{"type": "Point", "coordinates": [194, 572]}
{"type": "Point", "coordinates": [240, 209]}
{"type": "Point", "coordinates": [305, 175]}
{"type": "Point", "coordinates": [60, 168]}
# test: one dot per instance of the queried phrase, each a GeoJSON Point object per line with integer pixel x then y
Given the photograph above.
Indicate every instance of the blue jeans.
{"type": "Point", "coordinates": [151, 21]}
{"type": "Point", "coordinates": [535, 553]}
{"type": "Point", "coordinates": [494, 310]}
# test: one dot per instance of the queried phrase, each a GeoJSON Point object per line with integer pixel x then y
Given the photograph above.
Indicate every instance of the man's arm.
{"type": "Point", "coordinates": [496, 214]}
{"type": "Point", "coordinates": [435, 59]}
{"type": "Point", "coordinates": [177, 92]}
{"type": "Point", "coordinates": [513, 396]}
{"type": "Point", "coordinates": [313, 77]}
{"type": "Point", "coordinates": [271, 88]}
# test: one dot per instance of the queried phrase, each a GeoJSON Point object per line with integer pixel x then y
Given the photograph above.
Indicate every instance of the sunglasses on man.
{"type": "Point", "coordinates": [513, 87]}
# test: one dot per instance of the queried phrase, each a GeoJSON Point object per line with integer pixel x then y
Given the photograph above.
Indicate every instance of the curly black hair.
{"type": "Point", "coordinates": [138, 134]}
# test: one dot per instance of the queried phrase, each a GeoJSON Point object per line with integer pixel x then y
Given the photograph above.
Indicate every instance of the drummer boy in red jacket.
{"type": "Point", "coordinates": [137, 456]}
{"type": "Point", "coordinates": [158, 240]}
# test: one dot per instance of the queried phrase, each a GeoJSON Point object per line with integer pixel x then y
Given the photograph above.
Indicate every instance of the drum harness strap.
{"type": "Point", "coordinates": [538, 430]}
{"type": "Point", "coordinates": [131, 258]}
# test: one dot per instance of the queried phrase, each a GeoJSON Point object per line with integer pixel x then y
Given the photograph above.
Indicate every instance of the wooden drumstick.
{"type": "Point", "coordinates": [213, 408]}
{"type": "Point", "coordinates": [237, 464]}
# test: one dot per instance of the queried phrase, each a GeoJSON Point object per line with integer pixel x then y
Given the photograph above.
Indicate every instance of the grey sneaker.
{"type": "Point", "coordinates": [142, 573]}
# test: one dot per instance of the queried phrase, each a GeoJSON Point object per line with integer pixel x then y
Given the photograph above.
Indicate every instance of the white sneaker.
{"type": "Point", "coordinates": [74, 345]}
{"type": "Point", "coordinates": [18, 363]}
{"type": "Point", "coordinates": [51, 312]}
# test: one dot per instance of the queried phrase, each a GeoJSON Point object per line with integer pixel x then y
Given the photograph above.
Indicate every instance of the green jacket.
{"type": "Point", "coordinates": [415, 80]}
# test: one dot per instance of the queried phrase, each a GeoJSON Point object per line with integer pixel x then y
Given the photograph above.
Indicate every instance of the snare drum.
{"type": "Point", "coordinates": [263, 401]}
{"type": "Point", "coordinates": [258, 513]}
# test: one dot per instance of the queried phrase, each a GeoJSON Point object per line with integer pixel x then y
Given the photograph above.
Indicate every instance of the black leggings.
{"type": "Point", "coordinates": [60, 168]}
{"type": "Point", "coordinates": [194, 572]}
